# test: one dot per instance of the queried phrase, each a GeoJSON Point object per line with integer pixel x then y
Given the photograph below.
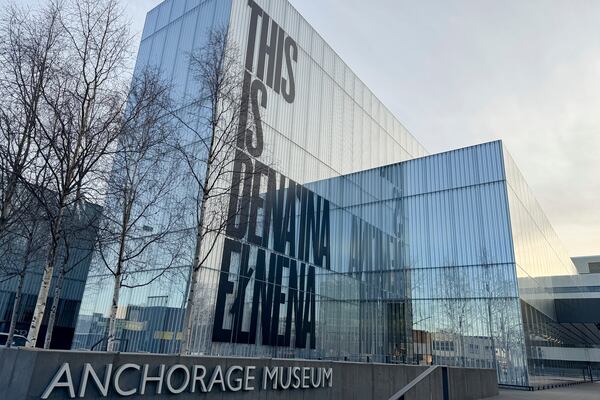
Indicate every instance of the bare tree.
{"type": "Point", "coordinates": [22, 253]}
{"type": "Point", "coordinates": [29, 45]}
{"type": "Point", "coordinates": [504, 324]}
{"type": "Point", "coordinates": [458, 306]}
{"type": "Point", "coordinates": [81, 119]}
{"type": "Point", "coordinates": [142, 216]}
{"type": "Point", "coordinates": [141, 181]}
{"type": "Point", "coordinates": [209, 150]}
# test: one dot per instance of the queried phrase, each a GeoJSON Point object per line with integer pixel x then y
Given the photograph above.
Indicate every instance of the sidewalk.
{"type": "Point", "coordinates": [585, 391]}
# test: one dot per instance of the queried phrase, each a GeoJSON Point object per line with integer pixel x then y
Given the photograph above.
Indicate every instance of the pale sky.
{"type": "Point", "coordinates": [462, 72]}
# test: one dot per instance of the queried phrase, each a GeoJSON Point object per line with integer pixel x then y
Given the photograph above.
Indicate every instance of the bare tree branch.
{"type": "Point", "coordinates": [79, 120]}
{"type": "Point", "coordinates": [142, 215]}
{"type": "Point", "coordinates": [210, 151]}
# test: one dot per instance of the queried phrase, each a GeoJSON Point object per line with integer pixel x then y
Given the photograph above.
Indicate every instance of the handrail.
{"type": "Point", "coordinates": [126, 340]}
{"type": "Point", "coordinates": [400, 395]}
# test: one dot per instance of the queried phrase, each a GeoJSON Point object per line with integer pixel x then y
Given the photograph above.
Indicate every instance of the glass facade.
{"type": "Point", "coordinates": [372, 137]}
{"type": "Point", "coordinates": [357, 244]}
{"type": "Point", "coordinates": [539, 256]}
{"type": "Point", "coordinates": [24, 251]}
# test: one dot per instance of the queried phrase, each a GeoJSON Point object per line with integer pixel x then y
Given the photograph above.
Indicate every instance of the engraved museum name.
{"type": "Point", "coordinates": [132, 379]}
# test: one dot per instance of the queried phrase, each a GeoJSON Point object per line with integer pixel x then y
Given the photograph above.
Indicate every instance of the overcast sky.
{"type": "Point", "coordinates": [457, 73]}
{"type": "Point", "coordinates": [462, 72]}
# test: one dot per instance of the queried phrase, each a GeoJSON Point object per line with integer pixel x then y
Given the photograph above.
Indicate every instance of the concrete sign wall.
{"type": "Point", "coordinates": [40, 374]}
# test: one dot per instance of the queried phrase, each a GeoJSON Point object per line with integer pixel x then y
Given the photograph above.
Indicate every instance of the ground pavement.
{"type": "Point", "coordinates": [586, 391]}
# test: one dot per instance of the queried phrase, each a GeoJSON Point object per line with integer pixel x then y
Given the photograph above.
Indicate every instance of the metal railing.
{"type": "Point", "coordinates": [412, 384]}
{"type": "Point", "coordinates": [105, 339]}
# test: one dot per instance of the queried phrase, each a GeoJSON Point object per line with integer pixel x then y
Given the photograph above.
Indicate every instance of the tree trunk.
{"type": "Point", "coordinates": [7, 202]}
{"type": "Point", "coordinates": [15, 311]}
{"type": "Point", "coordinates": [5, 212]}
{"type": "Point", "coordinates": [492, 339]}
{"type": "Point", "coordinates": [461, 337]}
{"type": "Point", "coordinates": [189, 303]}
{"type": "Point", "coordinates": [42, 298]}
{"type": "Point", "coordinates": [55, 301]}
{"type": "Point", "coordinates": [112, 321]}
{"type": "Point", "coordinates": [187, 320]}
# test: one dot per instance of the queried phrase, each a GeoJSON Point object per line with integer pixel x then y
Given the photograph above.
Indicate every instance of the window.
{"type": "Point", "coordinates": [594, 267]}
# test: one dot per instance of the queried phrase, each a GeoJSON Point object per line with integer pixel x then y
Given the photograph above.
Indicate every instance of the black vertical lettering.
{"type": "Point", "coordinates": [237, 308]}
{"type": "Point", "coordinates": [292, 303]}
{"type": "Point", "coordinates": [270, 203]}
{"type": "Point", "coordinates": [278, 210]}
{"type": "Point", "coordinates": [257, 203]}
{"type": "Point", "coordinates": [278, 299]}
{"type": "Point", "coordinates": [289, 222]}
{"type": "Point", "coordinates": [274, 209]}
{"type": "Point", "coordinates": [313, 217]}
{"type": "Point", "coordinates": [279, 66]}
{"type": "Point", "coordinates": [297, 306]}
{"type": "Point", "coordinates": [308, 323]}
{"type": "Point", "coordinates": [225, 287]}
{"type": "Point", "coordinates": [263, 295]}
{"type": "Point", "coordinates": [267, 321]}
{"type": "Point", "coordinates": [243, 121]}
{"type": "Point", "coordinates": [291, 54]}
{"type": "Point", "coordinates": [324, 250]}
{"type": "Point", "coordinates": [267, 47]}
{"type": "Point", "coordinates": [302, 193]}
{"type": "Point", "coordinates": [239, 207]}
{"type": "Point", "coordinates": [256, 88]}
{"type": "Point", "coordinates": [255, 13]}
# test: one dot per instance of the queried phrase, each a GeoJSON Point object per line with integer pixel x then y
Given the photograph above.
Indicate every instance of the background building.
{"type": "Point", "coordinates": [587, 264]}
{"type": "Point", "coordinates": [25, 248]}
{"type": "Point", "coordinates": [373, 250]}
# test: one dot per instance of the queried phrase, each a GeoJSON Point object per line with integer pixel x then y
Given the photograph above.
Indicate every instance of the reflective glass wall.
{"type": "Point", "coordinates": [334, 125]}
{"type": "Point", "coordinates": [419, 268]}
{"type": "Point", "coordinates": [539, 256]}
{"type": "Point", "coordinates": [151, 305]}
{"type": "Point", "coordinates": [352, 244]}
{"type": "Point", "coordinates": [24, 250]}
{"type": "Point", "coordinates": [461, 265]}
{"type": "Point", "coordinates": [319, 123]}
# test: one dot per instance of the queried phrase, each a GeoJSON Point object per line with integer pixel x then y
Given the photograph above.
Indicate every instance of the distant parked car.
{"type": "Point", "coordinates": [18, 340]}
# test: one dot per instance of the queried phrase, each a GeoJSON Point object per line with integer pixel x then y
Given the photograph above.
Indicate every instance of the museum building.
{"type": "Point", "coordinates": [355, 243]}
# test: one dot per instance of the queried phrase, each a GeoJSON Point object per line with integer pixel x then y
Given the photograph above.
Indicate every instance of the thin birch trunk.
{"type": "Point", "coordinates": [218, 74]}
{"type": "Point", "coordinates": [42, 298]}
{"type": "Point", "coordinates": [6, 207]}
{"type": "Point", "coordinates": [15, 311]}
{"type": "Point", "coordinates": [112, 324]}
{"type": "Point", "coordinates": [53, 310]}
{"type": "Point", "coordinates": [7, 202]}
{"type": "Point", "coordinates": [190, 301]}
